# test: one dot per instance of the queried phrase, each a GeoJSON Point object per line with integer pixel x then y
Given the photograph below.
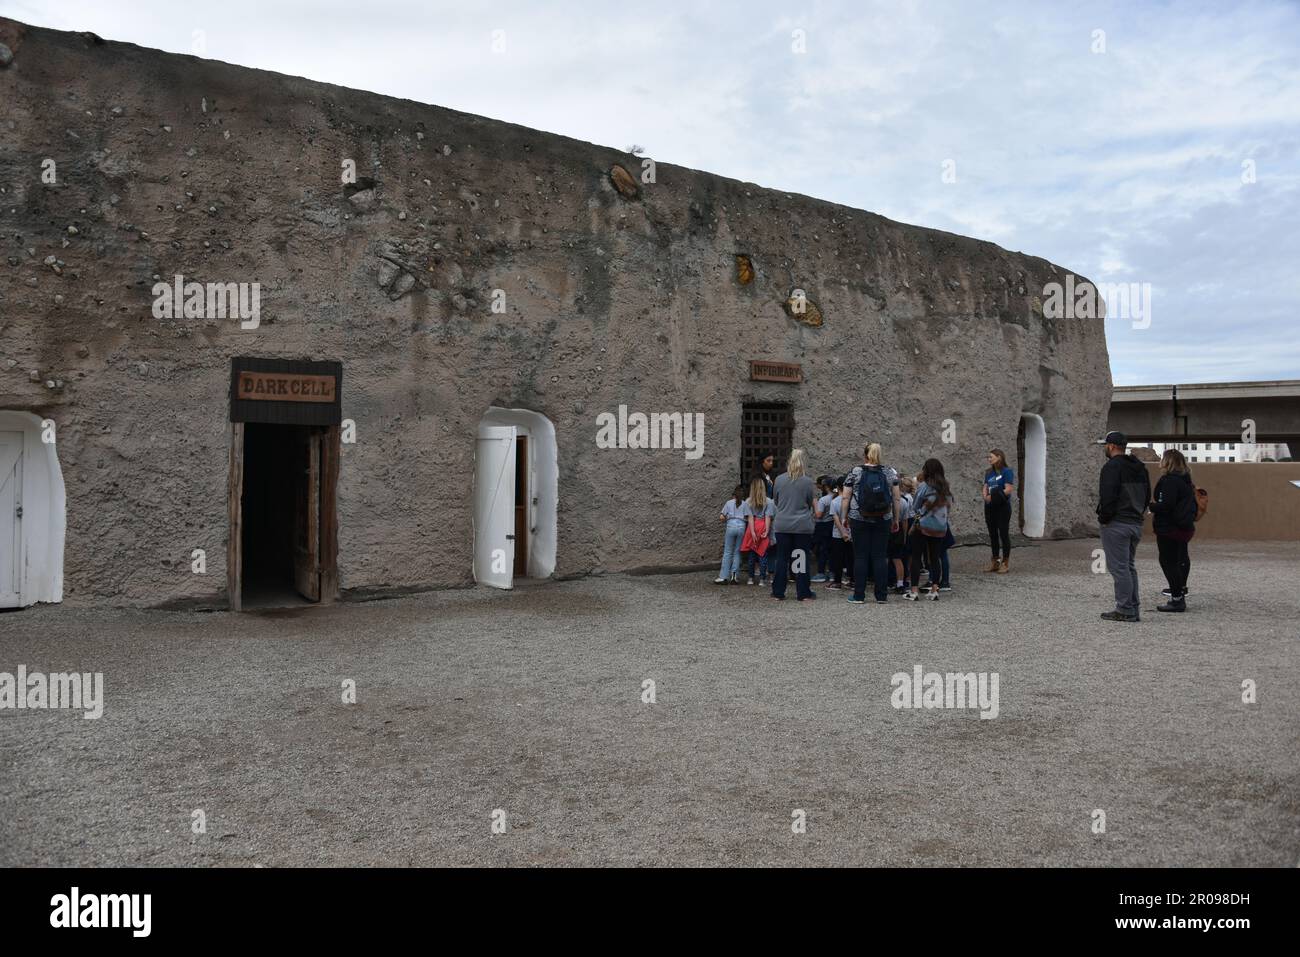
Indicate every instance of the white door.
{"type": "Point", "coordinates": [494, 506]}
{"type": "Point", "coordinates": [11, 526]}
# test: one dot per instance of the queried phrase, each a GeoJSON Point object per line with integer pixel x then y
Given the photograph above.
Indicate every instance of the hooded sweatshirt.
{"type": "Point", "coordinates": [1125, 491]}
{"type": "Point", "coordinates": [1173, 504]}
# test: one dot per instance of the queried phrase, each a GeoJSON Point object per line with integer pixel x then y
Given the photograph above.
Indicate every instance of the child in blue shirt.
{"type": "Point", "coordinates": [733, 516]}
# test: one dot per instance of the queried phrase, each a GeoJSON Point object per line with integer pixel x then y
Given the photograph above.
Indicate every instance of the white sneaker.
{"type": "Point", "coordinates": [933, 596]}
{"type": "Point", "coordinates": [719, 581]}
{"type": "Point", "coordinates": [911, 596]}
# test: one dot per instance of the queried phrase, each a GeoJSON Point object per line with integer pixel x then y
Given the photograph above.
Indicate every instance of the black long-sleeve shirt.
{"type": "Point", "coordinates": [1173, 503]}
{"type": "Point", "coordinates": [1125, 491]}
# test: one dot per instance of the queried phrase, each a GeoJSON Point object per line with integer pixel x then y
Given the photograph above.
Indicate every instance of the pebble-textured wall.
{"type": "Point", "coordinates": [613, 295]}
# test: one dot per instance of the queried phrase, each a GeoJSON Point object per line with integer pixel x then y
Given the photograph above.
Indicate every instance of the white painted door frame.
{"type": "Point", "coordinates": [1033, 483]}
{"type": "Point", "coordinates": [494, 505]}
{"type": "Point", "coordinates": [11, 523]}
{"type": "Point", "coordinates": [543, 483]}
{"type": "Point", "coordinates": [43, 523]}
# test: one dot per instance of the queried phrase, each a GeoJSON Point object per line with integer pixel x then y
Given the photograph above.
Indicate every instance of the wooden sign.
{"type": "Point", "coordinates": [775, 371]}
{"type": "Point", "coordinates": [285, 391]}
{"type": "Point", "coordinates": [285, 387]}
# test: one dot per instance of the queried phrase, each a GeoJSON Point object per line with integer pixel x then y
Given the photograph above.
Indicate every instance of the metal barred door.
{"type": "Point", "coordinates": [766, 428]}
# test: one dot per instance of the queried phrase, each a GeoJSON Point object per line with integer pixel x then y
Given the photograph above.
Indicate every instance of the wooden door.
{"type": "Point", "coordinates": [494, 506]}
{"type": "Point", "coordinates": [330, 450]}
{"type": "Point", "coordinates": [306, 524]}
{"type": "Point", "coordinates": [235, 518]}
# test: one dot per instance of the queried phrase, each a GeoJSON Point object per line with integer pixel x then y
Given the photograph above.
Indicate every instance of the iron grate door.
{"type": "Point", "coordinates": [766, 428]}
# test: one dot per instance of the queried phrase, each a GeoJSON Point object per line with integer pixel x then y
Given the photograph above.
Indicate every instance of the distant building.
{"type": "Point", "coordinates": [1224, 451]}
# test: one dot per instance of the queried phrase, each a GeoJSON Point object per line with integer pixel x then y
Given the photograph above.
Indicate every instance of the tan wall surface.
{"type": "Point", "coordinates": [1252, 501]}
{"type": "Point", "coordinates": [170, 165]}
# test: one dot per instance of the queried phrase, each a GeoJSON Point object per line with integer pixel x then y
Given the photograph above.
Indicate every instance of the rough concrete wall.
{"type": "Point", "coordinates": [169, 164]}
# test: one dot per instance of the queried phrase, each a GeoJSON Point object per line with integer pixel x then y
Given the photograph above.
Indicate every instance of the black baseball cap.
{"type": "Point", "coordinates": [1114, 438]}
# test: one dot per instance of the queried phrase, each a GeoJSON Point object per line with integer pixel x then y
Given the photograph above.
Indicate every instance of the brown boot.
{"type": "Point", "coordinates": [993, 566]}
{"type": "Point", "coordinates": [1004, 567]}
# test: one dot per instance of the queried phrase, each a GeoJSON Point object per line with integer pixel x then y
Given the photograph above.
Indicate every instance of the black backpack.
{"type": "Point", "coordinates": [871, 493]}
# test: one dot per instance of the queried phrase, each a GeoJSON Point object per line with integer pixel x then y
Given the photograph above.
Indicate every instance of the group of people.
{"type": "Point", "coordinates": [1123, 500]}
{"type": "Point", "coordinates": [870, 526]}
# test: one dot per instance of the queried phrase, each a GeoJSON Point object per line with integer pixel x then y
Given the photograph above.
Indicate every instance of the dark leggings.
{"type": "Point", "coordinates": [841, 559]}
{"type": "Point", "coordinates": [998, 519]}
{"type": "Point", "coordinates": [1175, 563]}
{"type": "Point", "coordinates": [930, 546]}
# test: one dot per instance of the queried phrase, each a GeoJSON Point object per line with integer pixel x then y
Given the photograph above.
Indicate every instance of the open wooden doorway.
{"type": "Point", "coordinates": [284, 520]}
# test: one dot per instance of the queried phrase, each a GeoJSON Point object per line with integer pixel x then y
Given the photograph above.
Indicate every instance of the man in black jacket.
{"type": "Point", "coordinates": [1121, 504]}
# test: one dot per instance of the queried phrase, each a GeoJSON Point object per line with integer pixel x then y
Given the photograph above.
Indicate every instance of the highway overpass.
{"type": "Point", "coordinates": [1208, 412]}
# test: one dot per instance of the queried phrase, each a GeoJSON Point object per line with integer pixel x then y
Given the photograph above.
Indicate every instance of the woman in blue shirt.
{"type": "Point", "coordinates": [999, 489]}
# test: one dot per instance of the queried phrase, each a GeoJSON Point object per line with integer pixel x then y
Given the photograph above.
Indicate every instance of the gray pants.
{"type": "Point", "coordinates": [1120, 540]}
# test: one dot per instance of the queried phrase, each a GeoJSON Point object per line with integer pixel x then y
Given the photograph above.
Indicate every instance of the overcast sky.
{"type": "Point", "coordinates": [1124, 165]}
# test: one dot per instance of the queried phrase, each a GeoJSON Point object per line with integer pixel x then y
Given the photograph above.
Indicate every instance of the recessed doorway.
{"type": "Point", "coordinates": [32, 511]}
{"type": "Point", "coordinates": [285, 437]}
{"type": "Point", "coordinates": [516, 493]}
{"type": "Point", "coordinates": [766, 428]}
{"type": "Point", "coordinates": [281, 503]}
{"type": "Point", "coordinates": [1031, 454]}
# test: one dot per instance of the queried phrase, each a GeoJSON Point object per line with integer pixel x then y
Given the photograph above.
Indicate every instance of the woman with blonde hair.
{"type": "Point", "coordinates": [795, 496]}
{"type": "Point", "coordinates": [874, 509]}
{"type": "Point", "coordinates": [758, 511]}
{"type": "Point", "coordinates": [1173, 510]}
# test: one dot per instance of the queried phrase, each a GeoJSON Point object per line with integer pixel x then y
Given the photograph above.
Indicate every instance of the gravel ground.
{"type": "Point", "coordinates": [530, 702]}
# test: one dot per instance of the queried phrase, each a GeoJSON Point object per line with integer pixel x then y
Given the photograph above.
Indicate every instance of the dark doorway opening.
{"type": "Point", "coordinates": [522, 506]}
{"type": "Point", "coordinates": [274, 473]}
{"type": "Point", "coordinates": [766, 428]}
{"type": "Point", "coordinates": [285, 522]}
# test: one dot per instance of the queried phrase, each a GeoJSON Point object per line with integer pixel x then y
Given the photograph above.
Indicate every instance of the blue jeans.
{"type": "Point", "coordinates": [787, 545]}
{"type": "Point", "coordinates": [731, 553]}
{"type": "Point", "coordinates": [757, 562]}
{"type": "Point", "coordinates": [870, 546]}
